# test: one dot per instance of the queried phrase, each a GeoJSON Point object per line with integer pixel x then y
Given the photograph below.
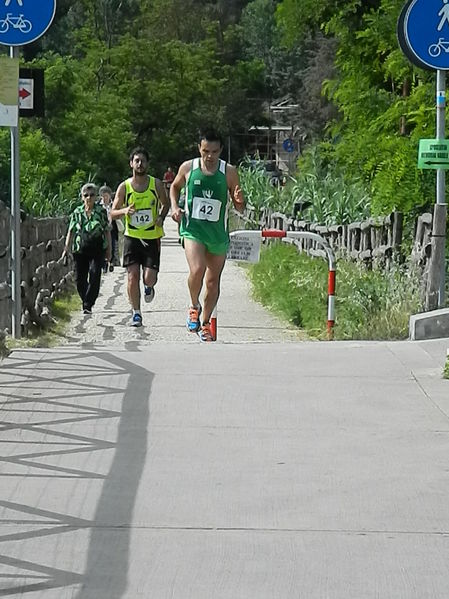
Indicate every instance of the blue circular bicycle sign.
{"type": "Point", "coordinates": [288, 145]}
{"type": "Point", "coordinates": [24, 21]}
{"type": "Point", "coordinates": [425, 30]}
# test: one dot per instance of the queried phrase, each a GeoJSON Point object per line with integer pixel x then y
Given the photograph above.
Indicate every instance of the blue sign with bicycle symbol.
{"type": "Point", "coordinates": [425, 30]}
{"type": "Point", "coordinates": [24, 21]}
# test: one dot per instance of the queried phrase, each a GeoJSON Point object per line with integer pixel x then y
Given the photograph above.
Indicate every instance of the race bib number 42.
{"type": "Point", "coordinates": [206, 209]}
{"type": "Point", "coordinates": [142, 218]}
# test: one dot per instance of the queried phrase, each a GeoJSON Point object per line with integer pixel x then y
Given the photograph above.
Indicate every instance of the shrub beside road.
{"type": "Point", "coordinates": [369, 304]}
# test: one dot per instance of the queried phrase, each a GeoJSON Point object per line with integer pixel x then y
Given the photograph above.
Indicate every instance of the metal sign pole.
{"type": "Point", "coordinates": [21, 25]}
{"type": "Point", "coordinates": [15, 225]}
{"type": "Point", "coordinates": [441, 176]}
{"type": "Point", "coordinates": [422, 29]}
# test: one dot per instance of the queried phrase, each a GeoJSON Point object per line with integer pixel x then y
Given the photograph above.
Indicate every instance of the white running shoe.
{"type": "Point", "coordinates": [136, 320]}
{"type": "Point", "coordinates": [149, 294]}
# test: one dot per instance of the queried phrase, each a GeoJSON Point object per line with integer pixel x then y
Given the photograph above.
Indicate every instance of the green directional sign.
{"type": "Point", "coordinates": [433, 153]}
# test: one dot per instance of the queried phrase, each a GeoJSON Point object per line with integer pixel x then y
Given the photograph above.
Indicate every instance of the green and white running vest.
{"type": "Point", "coordinates": [206, 205]}
{"type": "Point", "coordinates": [141, 224]}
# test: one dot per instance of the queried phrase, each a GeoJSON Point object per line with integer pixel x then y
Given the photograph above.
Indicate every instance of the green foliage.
{"type": "Point", "coordinates": [325, 196]}
{"type": "Point", "coordinates": [259, 29]}
{"type": "Point", "coordinates": [261, 40]}
{"type": "Point", "coordinates": [396, 183]}
{"type": "Point", "coordinates": [375, 304]}
{"type": "Point", "coordinates": [296, 18]}
{"type": "Point", "coordinates": [5, 162]}
{"type": "Point", "coordinates": [369, 304]}
{"type": "Point", "coordinates": [118, 74]}
{"type": "Point", "coordinates": [385, 104]}
{"type": "Point", "coordinates": [385, 166]}
{"type": "Point", "coordinates": [280, 284]}
{"type": "Point", "coordinates": [259, 192]}
{"type": "Point", "coordinates": [333, 198]}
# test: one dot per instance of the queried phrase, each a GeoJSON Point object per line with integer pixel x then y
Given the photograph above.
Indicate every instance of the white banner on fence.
{"type": "Point", "coordinates": [245, 248]}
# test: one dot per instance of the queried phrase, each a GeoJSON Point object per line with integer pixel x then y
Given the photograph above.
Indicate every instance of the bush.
{"type": "Point", "coordinates": [369, 304]}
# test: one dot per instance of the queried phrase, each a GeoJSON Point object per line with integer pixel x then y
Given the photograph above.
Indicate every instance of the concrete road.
{"type": "Point", "coordinates": [254, 470]}
{"type": "Point", "coordinates": [240, 319]}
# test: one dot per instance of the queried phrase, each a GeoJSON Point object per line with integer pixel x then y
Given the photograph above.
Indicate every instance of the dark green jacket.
{"type": "Point", "coordinates": [79, 221]}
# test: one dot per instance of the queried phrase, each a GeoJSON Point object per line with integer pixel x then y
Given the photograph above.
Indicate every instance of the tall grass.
{"type": "Point", "coordinates": [332, 199]}
{"type": "Point", "coordinates": [39, 201]}
{"type": "Point", "coordinates": [259, 192]}
{"type": "Point", "coordinates": [329, 197]}
{"type": "Point", "coordinates": [369, 304]}
{"type": "Point", "coordinates": [39, 198]}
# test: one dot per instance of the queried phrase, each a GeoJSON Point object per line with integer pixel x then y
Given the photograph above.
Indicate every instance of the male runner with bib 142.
{"type": "Point", "coordinates": [142, 200]}
{"type": "Point", "coordinates": [209, 182]}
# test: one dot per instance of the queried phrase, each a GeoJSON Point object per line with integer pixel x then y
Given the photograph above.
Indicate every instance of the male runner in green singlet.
{"type": "Point", "coordinates": [142, 200]}
{"type": "Point", "coordinates": [209, 182]}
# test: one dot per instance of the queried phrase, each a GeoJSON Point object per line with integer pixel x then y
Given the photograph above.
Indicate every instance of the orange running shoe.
{"type": "Point", "coordinates": [205, 333]}
{"type": "Point", "coordinates": [193, 319]}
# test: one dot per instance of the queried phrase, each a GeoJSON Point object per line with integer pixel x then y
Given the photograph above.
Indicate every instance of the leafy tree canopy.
{"type": "Point", "coordinates": [122, 72]}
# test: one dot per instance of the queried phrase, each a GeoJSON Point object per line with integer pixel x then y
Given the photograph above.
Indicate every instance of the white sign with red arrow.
{"type": "Point", "coordinates": [26, 94]}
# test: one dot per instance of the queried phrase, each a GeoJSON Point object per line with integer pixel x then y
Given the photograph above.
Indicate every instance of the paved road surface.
{"type": "Point", "coordinates": [178, 470]}
{"type": "Point", "coordinates": [240, 319]}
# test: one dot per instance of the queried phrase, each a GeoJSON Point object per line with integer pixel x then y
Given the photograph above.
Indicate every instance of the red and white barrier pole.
{"type": "Point", "coordinates": [273, 233]}
{"type": "Point", "coordinates": [213, 323]}
{"type": "Point", "coordinates": [331, 303]}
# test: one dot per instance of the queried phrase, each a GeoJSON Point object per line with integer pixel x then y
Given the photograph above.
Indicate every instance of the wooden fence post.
{"type": "Point", "coordinates": [437, 257]}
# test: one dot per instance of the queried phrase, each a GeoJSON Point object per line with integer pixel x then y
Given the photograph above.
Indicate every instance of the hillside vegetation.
{"type": "Point", "coordinates": [121, 72]}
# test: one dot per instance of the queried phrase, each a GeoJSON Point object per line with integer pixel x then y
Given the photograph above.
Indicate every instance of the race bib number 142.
{"type": "Point", "coordinates": [142, 218]}
{"type": "Point", "coordinates": [206, 209]}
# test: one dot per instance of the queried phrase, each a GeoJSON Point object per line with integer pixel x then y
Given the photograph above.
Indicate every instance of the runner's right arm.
{"type": "Point", "coordinates": [117, 210]}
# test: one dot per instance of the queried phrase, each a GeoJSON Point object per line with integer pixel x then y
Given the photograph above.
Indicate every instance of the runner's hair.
{"type": "Point", "coordinates": [210, 134]}
{"type": "Point", "coordinates": [139, 150]}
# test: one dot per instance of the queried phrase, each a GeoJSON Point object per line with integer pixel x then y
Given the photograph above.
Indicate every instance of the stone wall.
{"type": "Point", "coordinates": [43, 275]}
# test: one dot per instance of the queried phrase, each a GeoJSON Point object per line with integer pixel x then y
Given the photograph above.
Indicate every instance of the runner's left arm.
{"type": "Point", "coordinates": [175, 190]}
{"type": "Point", "coordinates": [165, 204]}
{"type": "Point", "coordinates": [235, 190]}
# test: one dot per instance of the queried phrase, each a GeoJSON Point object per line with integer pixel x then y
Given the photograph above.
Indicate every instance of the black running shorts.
{"type": "Point", "coordinates": [146, 252]}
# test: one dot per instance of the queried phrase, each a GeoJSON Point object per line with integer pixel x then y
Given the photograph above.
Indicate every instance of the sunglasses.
{"type": "Point", "coordinates": [91, 194]}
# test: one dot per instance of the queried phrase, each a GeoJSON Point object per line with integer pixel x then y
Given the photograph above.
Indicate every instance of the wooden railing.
{"type": "Point", "coordinates": [375, 242]}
